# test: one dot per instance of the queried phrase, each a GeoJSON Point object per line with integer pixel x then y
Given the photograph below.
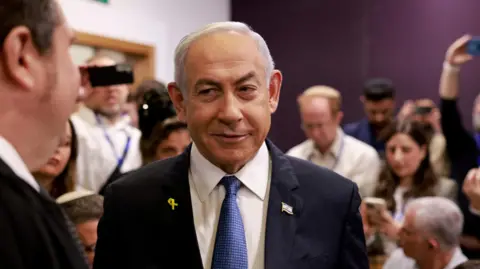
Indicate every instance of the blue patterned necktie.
{"type": "Point", "coordinates": [230, 246]}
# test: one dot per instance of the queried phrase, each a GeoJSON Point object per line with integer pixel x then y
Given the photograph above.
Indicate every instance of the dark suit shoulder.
{"type": "Point", "coordinates": [352, 128]}
{"type": "Point", "coordinates": [321, 181]}
{"type": "Point", "coordinates": [156, 173]}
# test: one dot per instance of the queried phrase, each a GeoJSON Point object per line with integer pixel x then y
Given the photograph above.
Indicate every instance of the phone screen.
{"type": "Point", "coordinates": [423, 110]}
{"type": "Point", "coordinates": [473, 46]}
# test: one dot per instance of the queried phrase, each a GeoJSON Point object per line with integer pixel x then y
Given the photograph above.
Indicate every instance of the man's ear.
{"type": "Point", "coordinates": [274, 90]}
{"type": "Point", "coordinates": [21, 57]}
{"type": "Point", "coordinates": [178, 99]}
{"type": "Point", "coordinates": [339, 117]}
{"type": "Point", "coordinates": [432, 244]}
{"type": "Point", "coordinates": [362, 99]}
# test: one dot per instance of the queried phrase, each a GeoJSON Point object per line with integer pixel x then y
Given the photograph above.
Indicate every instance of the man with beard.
{"type": "Point", "coordinates": [379, 104]}
{"type": "Point", "coordinates": [108, 145]}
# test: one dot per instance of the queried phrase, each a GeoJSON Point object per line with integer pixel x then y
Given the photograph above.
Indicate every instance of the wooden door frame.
{"type": "Point", "coordinates": [146, 64]}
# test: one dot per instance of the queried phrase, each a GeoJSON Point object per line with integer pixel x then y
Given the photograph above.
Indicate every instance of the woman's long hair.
{"type": "Point", "coordinates": [65, 182]}
{"type": "Point", "coordinates": [424, 179]}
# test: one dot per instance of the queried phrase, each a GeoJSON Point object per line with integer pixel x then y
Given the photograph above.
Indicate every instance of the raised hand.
{"type": "Point", "coordinates": [457, 52]}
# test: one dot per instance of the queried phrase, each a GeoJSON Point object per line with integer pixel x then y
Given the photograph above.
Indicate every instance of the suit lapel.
{"type": "Point", "coordinates": [179, 210]}
{"type": "Point", "coordinates": [48, 211]}
{"type": "Point", "coordinates": [281, 225]}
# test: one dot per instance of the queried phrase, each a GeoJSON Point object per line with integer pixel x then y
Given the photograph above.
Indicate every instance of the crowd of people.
{"type": "Point", "coordinates": [183, 175]}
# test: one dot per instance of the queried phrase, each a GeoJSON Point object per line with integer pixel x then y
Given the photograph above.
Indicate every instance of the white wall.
{"type": "Point", "coordinates": [159, 23]}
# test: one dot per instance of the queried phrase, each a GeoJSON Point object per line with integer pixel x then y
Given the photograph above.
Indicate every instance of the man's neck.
{"type": "Point", "coordinates": [326, 148]}
{"type": "Point", "coordinates": [31, 151]}
{"type": "Point", "coordinates": [438, 261]}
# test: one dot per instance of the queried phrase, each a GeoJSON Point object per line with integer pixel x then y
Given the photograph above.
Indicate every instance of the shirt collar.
{"type": "Point", "coordinates": [206, 176]}
{"type": "Point", "coordinates": [11, 157]}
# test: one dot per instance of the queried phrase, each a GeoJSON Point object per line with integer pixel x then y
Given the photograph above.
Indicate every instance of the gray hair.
{"type": "Point", "coordinates": [237, 27]}
{"type": "Point", "coordinates": [439, 217]}
{"type": "Point", "coordinates": [84, 208]}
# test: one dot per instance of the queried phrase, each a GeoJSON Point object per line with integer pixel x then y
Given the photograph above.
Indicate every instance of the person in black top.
{"type": "Point", "coordinates": [39, 85]}
{"type": "Point", "coordinates": [461, 146]}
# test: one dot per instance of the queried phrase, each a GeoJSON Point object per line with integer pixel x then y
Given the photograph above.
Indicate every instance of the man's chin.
{"type": "Point", "coordinates": [109, 112]}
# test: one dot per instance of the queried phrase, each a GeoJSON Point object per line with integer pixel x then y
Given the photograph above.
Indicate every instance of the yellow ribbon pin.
{"type": "Point", "coordinates": [172, 203]}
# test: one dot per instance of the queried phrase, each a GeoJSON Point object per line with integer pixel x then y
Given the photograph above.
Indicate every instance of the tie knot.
{"type": "Point", "coordinates": [231, 184]}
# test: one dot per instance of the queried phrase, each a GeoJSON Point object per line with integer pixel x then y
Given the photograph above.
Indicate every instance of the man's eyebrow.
{"type": "Point", "coordinates": [205, 81]}
{"type": "Point", "coordinates": [247, 77]}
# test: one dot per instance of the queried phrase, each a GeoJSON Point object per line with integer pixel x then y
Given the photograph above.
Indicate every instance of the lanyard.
{"type": "Point", "coordinates": [120, 159]}
{"type": "Point", "coordinates": [339, 153]}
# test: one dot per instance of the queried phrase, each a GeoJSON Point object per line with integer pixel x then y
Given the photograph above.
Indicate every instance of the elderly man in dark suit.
{"type": "Point", "coordinates": [38, 88]}
{"type": "Point", "coordinates": [232, 199]}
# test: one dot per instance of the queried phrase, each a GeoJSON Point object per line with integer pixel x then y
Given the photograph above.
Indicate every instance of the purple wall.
{"type": "Point", "coordinates": [343, 42]}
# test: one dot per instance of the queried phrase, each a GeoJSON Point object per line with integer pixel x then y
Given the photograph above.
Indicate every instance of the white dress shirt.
{"type": "Point", "coordinates": [348, 157]}
{"type": "Point", "coordinates": [96, 158]}
{"type": "Point", "coordinates": [10, 156]}
{"type": "Point", "coordinates": [398, 260]}
{"type": "Point", "coordinates": [252, 198]}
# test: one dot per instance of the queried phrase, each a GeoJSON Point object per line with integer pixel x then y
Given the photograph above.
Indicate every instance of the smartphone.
{"type": "Point", "coordinates": [473, 46]}
{"type": "Point", "coordinates": [110, 75]}
{"type": "Point", "coordinates": [374, 203]}
{"type": "Point", "coordinates": [423, 110]}
{"type": "Point", "coordinates": [375, 208]}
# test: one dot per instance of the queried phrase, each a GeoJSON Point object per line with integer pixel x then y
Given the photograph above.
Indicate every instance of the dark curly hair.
{"type": "Point", "coordinates": [424, 179]}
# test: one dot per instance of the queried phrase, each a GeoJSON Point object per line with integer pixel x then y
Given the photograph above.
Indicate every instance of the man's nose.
{"type": "Point", "coordinates": [379, 117]}
{"type": "Point", "coordinates": [231, 109]}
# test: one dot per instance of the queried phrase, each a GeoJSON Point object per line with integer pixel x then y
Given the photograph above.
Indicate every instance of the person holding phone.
{"type": "Point", "coordinates": [406, 175]}
{"type": "Point", "coordinates": [427, 114]}
{"type": "Point", "coordinates": [462, 148]}
{"type": "Point", "coordinates": [108, 145]}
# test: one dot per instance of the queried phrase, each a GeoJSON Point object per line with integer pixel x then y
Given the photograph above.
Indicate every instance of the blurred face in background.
{"type": "Point", "coordinates": [319, 122]}
{"type": "Point", "coordinates": [427, 114]}
{"type": "Point", "coordinates": [108, 101]}
{"type": "Point", "coordinates": [379, 113]}
{"type": "Point", "coordinates": [412, 242]}
{"type": "Point", "coordinates": [57, 163]}
{"type": "Point", "coordinates": [176, 142]}
{"type": "Point", "coordinates": [404, 155]}
{"type": "Point", "coordinates": [87, 233]}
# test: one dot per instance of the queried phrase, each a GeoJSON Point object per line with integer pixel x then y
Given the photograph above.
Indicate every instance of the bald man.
{"type": "Point", "coordinates": [108, 145]}
{"type": "Point", "coordinates": [328, 146]}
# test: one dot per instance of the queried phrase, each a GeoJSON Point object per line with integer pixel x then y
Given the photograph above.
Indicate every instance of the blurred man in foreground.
{"type": "Point", "coordinates": [39, 85]}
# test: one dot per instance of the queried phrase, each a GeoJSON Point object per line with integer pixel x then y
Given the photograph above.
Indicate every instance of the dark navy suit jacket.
{"type": "Point", "coordinates": [362, 131]}
{"type": "Point", "coordinates": [140, 230]}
